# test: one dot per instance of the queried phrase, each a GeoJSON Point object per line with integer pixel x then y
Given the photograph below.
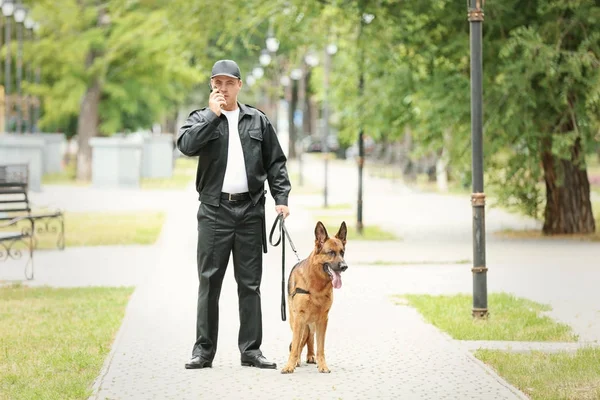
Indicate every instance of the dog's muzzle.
{"type": "Point", "coordinates": [335, 273]}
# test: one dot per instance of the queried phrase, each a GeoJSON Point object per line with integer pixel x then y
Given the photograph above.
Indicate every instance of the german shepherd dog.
{"type": "Point", "coordinates": [310, 296]}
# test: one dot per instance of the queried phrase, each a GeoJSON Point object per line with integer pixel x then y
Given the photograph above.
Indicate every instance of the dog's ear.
{"type": "Point", "coordinates": [342, 233]}
{"type": "Point", "coordinates": [320, 235]}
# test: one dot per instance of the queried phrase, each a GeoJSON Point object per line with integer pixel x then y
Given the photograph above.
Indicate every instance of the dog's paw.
{"type": "Point", "coordinates": [311, 360]}
{"type": "Point", "coordinates": [298, 363]}
{"type": "Point", "coordinates": [288, 369]}
{"type": "Point", "coordinates": [323, 369]}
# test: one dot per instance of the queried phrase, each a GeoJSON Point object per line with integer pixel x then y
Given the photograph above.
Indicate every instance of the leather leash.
{"type": "Point", "coordinates": [283, 233]}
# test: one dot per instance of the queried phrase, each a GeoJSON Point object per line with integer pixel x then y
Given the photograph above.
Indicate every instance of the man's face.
{"type": "Point", "coordinates": [228, 87]}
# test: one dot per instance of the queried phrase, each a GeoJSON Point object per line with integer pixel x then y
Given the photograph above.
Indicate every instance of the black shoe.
{"type": "Point", "coordinates": [257, 361]}
{"type": "Point", "coordinates": [198, 362]}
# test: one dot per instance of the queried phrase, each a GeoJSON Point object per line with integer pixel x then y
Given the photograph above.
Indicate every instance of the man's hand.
{"type": "Point", "coordinates": [215, 101]}
{"type": "Point", "coordinates": [282, 210]}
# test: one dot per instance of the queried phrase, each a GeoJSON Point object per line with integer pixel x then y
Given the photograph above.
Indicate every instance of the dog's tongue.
{"type": "Point", "coordinates": [336, 279]}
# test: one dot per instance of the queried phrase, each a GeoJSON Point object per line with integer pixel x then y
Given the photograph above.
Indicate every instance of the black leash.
{"type": "Point", "coordinates": [282, 235]}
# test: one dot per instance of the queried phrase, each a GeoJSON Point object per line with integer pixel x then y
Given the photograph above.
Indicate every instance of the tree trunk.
{"type": "Point", "coordinates": [87, 128]}
{"type": "Point", "coordinates": [568, 206]}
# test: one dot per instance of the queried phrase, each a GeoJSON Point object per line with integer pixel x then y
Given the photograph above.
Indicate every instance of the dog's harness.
{"type": "Point", "coordinates": [281, 240]}
{"type": "Point", "coordinates": [300, 291]}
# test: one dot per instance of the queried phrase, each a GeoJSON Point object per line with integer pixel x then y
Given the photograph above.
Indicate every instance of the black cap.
{"type": "Point", "coordinates": [226, 67]}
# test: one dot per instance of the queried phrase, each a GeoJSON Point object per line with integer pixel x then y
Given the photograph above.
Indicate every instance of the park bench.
{"type": "Point", "coordinates": [20, 225]}
{"type": "Point", "coordinates": [17, 243]}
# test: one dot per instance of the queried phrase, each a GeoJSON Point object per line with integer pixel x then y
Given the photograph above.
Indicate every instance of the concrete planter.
{"type": "Point", "coordinates": [116, 161]}
{"type": "Point", "coordinates": [55, 145]}
{"type": "Point", "coordinates": [157, 156]}
{"type": "Point", "coordinates": [24, 149]}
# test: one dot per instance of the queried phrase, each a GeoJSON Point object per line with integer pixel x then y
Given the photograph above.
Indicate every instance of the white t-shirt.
{"type": "Point", "coordinates": [235, 180]}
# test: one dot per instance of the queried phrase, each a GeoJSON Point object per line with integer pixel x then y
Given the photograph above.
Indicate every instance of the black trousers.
{"type": "Point", "coordinates": [233, 228]}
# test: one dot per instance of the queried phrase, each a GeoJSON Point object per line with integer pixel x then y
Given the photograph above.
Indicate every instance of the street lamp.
{"type": "Point", "coordinates": [330, 50]}
{"type": "Point", "coordinates": [272, 44]}
{"type": "Point", "coordinates": [29, 75]}
{"type": "Point", "coordinates": [274, 92]}
{"type": "Point", "coordinates": [258, 72]}
{"type": "Point", "coordinates": [311, 60]}
{"type": "Point", "coordinates": [265, 58]}
{"type": "Point", "coordinates": [295, 75]}
{"type": "Point", "coordinates": [20, 14]}
{"type": "Point", "coordinates": [38, 74]}
{"type": "Point", "coordinates": [7, 10]}
{"type": "Point", "coordinates": [479, 270]}
{"type": "Point", "coordinates": [365, 20]}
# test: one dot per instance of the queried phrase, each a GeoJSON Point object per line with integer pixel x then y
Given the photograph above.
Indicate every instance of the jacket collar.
{"type": "Point", "coordinates": [244, 109]}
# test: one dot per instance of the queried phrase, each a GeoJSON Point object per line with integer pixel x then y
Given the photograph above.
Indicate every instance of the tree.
{"type": "Point", "coordinates": [116, 65]}
{"type": "Point", "coordinates": [549, 96]}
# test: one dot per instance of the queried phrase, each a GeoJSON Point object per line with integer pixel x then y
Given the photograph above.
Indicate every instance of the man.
{"type": "Point", "coordinates": [237, 151]}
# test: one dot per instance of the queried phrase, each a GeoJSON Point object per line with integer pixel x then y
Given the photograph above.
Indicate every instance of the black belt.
{"type": "Point", "coordinates": [235, 196]}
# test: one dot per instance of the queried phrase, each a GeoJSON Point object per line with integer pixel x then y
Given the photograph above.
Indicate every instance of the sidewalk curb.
{"type": "Point", "coordinates": [489, 370]}
{"type": "Point", "coordinates": [114, 346]}
{"type": "Point", "coordinates": [96, 386]}
{"type": "Point", "coordinates": [497, 377]}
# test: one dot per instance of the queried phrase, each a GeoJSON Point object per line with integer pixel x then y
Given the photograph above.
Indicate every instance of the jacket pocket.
{"type": "Point", "coordinates": [256, 134]}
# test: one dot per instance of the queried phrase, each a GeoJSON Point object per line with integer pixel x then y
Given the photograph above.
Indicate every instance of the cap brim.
{"type": "Point", "coordinates": [223, 74]}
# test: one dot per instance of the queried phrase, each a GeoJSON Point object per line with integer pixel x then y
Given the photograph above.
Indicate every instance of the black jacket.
{"type": "Point", "coordinates": [206, 135]}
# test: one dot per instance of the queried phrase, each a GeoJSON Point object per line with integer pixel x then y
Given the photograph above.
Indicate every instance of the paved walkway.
{"type": "Point", "coordinates": [437, 229]}
{"type": "Point", "coordinates": [375, 349]}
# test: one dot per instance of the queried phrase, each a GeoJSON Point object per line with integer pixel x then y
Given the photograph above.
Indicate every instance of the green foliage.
{"type": "Point", "coordinates": [541, 72]}
{"type": "Point", "coordinates": [135, 53]}
{"type": "Point", "coordinates": [544, 92]}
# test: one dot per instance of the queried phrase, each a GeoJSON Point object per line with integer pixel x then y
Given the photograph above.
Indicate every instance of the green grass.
{"type": "Point", "coordinates": [370, 232]}
{"type": "Point", "coordinates": [384, 171]}
{"type": "Point", "coordinates": [415, 262]}
{"type": "Point", "coordinates": [544, 376]}
{"type": "Point", "coordinates": [422, 181]}
{"type": "Point", "coordinates": [66, 177]}
{"type": "Point", "coordinates": [184, 172]}
{"type": "Point", "coordinates": [511, 318]}
{"type": "Point", "coordinates": [103, 229]}
{"type": "Point", "coordinates": [537, 234]}
{"type": "Point", "coordinates": [331, 207]}
{"type": "Point", "coordinates": [53, 342]}
{"type": "Point", "coordinates": [454, 188]}
{"type": "Point", "coordinates": [302, 189]}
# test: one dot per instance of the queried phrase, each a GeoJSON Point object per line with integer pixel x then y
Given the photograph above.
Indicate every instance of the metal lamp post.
{"type": "Point", "coordinates": [312, 60]}
{"type": "Point", "coordinates": [20, 14]}
{"type": "Point", "coordinates": [264, 60]}
{"type": "Point", "coordinates": [365, 20]}
{"type": "Point", "coordinates": [3, 93]}
{"type": "Point", "coordinates": [7, 9]}
{"type": "Point", "coordinates": [475, 15]}
{"type": "Point", "coordinates": [330, 50]}
{"type": "Point", "coordinates": [295, 75]}
{"type": "Point", "coordinates": [29, 76]}
{"type": "Point", "coordinates": [37, 78]}
{"type": "Point", "coordinates": [272, 47]}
